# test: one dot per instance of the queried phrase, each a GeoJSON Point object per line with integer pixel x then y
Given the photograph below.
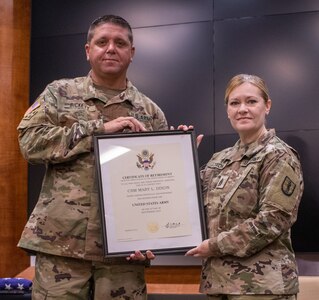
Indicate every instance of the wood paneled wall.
{"type": "Point", "coordinates": [14, 95]}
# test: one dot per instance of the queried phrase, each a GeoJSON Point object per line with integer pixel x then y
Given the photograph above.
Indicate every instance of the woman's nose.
{"type": "Point", "coordinates": [242, 107]}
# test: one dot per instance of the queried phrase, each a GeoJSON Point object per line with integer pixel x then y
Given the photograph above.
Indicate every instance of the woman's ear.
{"type": "Point", "coordinates": [268, 106]}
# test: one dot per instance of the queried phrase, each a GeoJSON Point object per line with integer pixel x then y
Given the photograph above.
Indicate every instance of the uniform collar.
{"type": "Point", "coordinates": [238, 152]}
{"type": "Point", "coordinates": [92, 91]}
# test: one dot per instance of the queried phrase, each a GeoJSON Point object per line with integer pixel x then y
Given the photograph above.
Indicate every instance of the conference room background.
{"type": "Point", "coordinates": [186, 51]}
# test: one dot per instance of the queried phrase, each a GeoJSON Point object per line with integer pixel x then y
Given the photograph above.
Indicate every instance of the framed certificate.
{"type": "Point", "coordinates": [149, 192]}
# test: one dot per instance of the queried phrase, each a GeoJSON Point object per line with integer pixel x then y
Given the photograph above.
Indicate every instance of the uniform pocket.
{"type": "Point", "coordinates": [243, 198]}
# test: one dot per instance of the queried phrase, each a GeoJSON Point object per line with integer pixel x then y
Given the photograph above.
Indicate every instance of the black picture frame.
{"type": "Point", "coordinates": [149, 191]}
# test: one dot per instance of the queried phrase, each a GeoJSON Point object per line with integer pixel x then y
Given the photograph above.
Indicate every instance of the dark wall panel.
{"type": "Point", "coordinates": [281, 49]}
{"type": "Point", "coordinates": [177, 74]}
{"type": "Point", "coordinates": [251, 8]}
{"type": "Point", "coordinates": [74, 16]}
{"type": "Point", "coordinates": [54, 58]}
{"type": "Point", "coordinates": [304, 232]}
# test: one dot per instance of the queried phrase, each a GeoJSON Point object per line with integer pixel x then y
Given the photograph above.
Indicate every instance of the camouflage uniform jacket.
{"type": "Point", "coordinates": [251, 197]}
{"type": "Point", "coordinates": [57, 130]}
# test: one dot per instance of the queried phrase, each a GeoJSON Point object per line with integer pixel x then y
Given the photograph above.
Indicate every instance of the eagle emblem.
{"type": "Point", "coordinates": [145, 160]}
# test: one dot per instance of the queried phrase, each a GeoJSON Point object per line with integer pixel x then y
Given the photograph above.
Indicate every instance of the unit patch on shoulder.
{"type": "Point", "coordinates": [288, 186]}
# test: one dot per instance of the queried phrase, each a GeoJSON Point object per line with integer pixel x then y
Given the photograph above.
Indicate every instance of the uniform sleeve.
{"type": "Point", "coordinates": [159, 120]}
{"type": "Point", "coordinates": [49, 136]}
{"type": "Point", "coordinates": [281, 187]}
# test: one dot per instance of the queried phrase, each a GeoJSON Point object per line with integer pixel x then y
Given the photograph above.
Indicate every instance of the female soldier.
{"type": "Point", "coordinates": [251, 195]}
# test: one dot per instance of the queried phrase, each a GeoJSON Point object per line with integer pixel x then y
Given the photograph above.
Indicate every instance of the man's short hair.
{"type": "Point", "coordinates": [117, 20]}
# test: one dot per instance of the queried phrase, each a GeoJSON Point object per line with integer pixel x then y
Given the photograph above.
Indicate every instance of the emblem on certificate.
{"type": "Point", "coordinates": [145, 160]}
{"type": "Point", "coordinates": [149, 192]}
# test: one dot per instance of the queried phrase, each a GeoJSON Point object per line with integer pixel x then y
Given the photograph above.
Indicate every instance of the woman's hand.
{"type": "Point", "coordinates": [202, 250]}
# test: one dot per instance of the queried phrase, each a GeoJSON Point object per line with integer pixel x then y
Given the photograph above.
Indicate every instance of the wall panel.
{"type": "Point", "coordinates": [140, 13]}
{"type": "Point", "coordinates": [14, 94]}
{"type": "Point", "coordinates": [281, 49]}
{"type": "Point", "coordinates": [224, 9]}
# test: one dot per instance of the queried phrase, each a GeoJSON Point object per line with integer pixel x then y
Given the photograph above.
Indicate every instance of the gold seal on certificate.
{"type": "Point", "coordinates": [149, 192]}
{"type": "Point", "coordinates": [152, 227]}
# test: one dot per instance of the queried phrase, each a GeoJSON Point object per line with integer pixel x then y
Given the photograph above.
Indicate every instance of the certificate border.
{"type": "Point", "coordinates": [100, 180]}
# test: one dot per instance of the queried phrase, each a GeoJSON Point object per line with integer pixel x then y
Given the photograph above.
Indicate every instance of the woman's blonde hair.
{"type": "Point", "coordinates": [242, 78]}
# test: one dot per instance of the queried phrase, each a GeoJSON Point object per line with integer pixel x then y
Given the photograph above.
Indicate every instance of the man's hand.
{"type": "Point", "coordinates": [138, 255]}
{"type": "Point", "coordinates": [122, 123]}
{"type": "Point", "coordinates": [199, 138]}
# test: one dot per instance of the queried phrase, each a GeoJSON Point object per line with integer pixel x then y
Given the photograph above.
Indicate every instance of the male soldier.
{"type": "Point", "coordinates": [64, 228]}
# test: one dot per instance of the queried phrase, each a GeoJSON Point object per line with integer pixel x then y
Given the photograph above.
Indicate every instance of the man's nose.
{"type": "Point", "coordinates": [110, 47]}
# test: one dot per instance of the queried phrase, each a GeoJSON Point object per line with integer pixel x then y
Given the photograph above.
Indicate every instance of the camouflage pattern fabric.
{"type": "Point", "coordinates": [252, 297]}
{"type": "Point", "coordinates": [64, 278]}
{"type": "Point", "coordinates": [57, 131]}
{"type": "Point", "coordinates": [251, 197]}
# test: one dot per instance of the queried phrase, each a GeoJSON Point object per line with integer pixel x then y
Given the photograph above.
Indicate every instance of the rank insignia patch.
{"type": "Point", "coordinates": [222, 181]}
{"type": "Point", "coordinates": [288, 186]}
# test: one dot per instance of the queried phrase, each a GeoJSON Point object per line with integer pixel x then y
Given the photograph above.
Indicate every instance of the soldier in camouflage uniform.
{"type": "Point", "coordinates": [251, 196]}
{"type": "Point", "coordinates": [64, 228]}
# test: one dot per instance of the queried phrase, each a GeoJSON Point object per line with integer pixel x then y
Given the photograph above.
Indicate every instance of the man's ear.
{"type": "Point", "coordinates": [132, 52]}
{"type": "Point", "coordinates": [87, 51]}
